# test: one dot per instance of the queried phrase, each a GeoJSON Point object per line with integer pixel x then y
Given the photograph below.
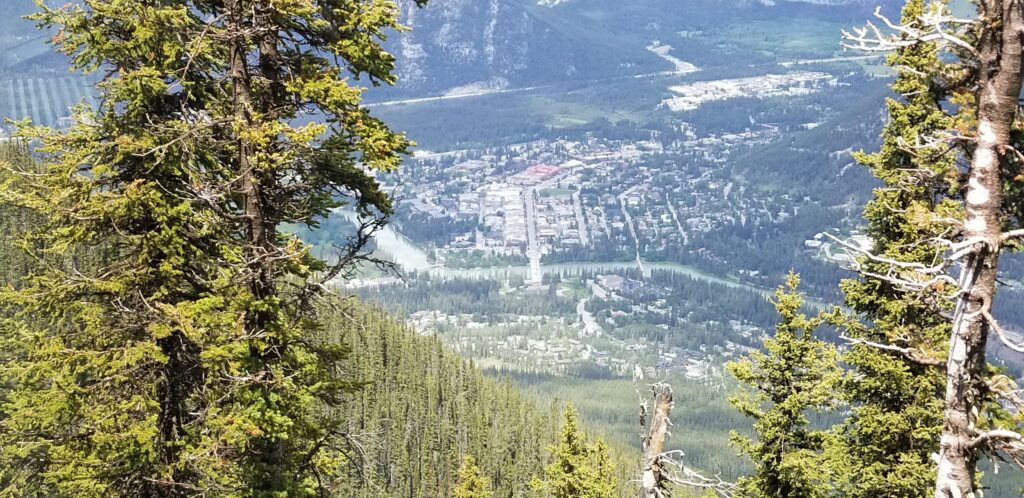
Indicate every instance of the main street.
{"type": "Point", "coordinates": [533, 243]}
{"type": "Point", "coordinates": [629, 224]}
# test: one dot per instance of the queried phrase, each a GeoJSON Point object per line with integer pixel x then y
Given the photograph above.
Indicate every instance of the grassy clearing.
{"type": "Point", "coordinates": [556, 192]}
{"type": "Point", "coordinates": [490, 120]}
{"type": "Point", "coordinates": [784, 39]}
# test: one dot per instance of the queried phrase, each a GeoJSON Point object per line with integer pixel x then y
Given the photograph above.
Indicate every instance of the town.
{"type": "Point", "coordinates": [552, 198]}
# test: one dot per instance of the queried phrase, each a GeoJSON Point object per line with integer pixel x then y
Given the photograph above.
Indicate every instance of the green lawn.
{"type": "Point", "coordinates": [784, 39]}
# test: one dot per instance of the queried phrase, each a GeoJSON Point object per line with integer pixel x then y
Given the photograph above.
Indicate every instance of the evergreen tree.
{"type": "Point", "coordinates": [190, 359]}
{"type": "Point", "coordinates": [940, 230]}
{"type": "Point", "coordinates": [422, 408]}
{"type": "Point", "coordinates": [578, 469]}
{"type": "Point", "coordinates": [471, 483]}
{"type": "Point", "coordinates": [796, 374]}
{"type": "Point", "coordinates": [14, 222]}
{"type": "Point", "coordinates": [896, 394]}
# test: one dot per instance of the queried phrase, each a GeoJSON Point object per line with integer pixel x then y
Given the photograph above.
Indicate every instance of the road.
{"type": "Point", "coordinates": [456, 96]}
{"type": "Point", "coordinates": [831, 59]}
{"type": "Point", "coordinates": [590, 325]}
{"type": "Point", "coordinates": [676, 72]}
{"type": "Point", "coordinates": [675, 217]}
{"type": "Point", "coordinates": [499, 91]}
{"type": "Point", "coordinates": [532, 244]}
{"type": "Point", "coordinates": [632, 229]}
{"type": "Point", "coordinates": [577, 206]}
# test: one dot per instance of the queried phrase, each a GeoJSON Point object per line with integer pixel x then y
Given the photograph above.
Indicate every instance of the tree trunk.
{"type": "Point", "coordinates": [653, 481]}
{"type": "Point", "coordinates": [999, 72]}
{"type": "Point", "coordinates": [260, 240]}
{"type": "Point", "coordinates": [260, 232]}
{"type": "Point", "coordinates": [183, 377]}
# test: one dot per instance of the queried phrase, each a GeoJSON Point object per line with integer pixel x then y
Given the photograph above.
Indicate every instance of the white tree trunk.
{"type": "Point", "coordinates": [999, 85]}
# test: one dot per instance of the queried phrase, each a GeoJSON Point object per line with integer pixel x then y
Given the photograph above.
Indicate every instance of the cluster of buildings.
{"type": "Point", "coordinates": [526, 343]}
{"type": "Point", "coordinates": [692, 364]}
{"type": "Point", "coordinates": [534, 175]}
{"type": "Point", "coordinates": [827, 248]}
{"type": "Point", "coordinates": [503, 214]}
{"type": "Point", "coordinates": [691, 96]}
{"type": "Point", "coordinates": [543, 197]}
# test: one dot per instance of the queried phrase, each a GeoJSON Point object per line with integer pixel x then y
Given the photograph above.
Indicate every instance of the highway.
{"type": "Point", "coordinates": [499, 91]}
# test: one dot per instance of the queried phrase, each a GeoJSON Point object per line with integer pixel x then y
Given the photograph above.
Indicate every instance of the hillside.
{"type": "Point", "coordinates": [460, 46]}
{"type": "Point", "coordinates": [570, 201]}
{"type": "Point", "coordinates": [414, 410]}
{"type": "Point", "coordinates": [424, 408]}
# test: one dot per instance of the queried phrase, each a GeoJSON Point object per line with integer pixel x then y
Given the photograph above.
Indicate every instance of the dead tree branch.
{"type": "Point", "coordinates": [908, 353]}
{"type": "Point", "coordinates": [657, 477]}
{"type": "Point", "coordinates": [932, 27]}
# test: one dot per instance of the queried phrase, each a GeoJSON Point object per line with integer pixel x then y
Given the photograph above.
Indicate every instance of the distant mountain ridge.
{"type": "Point", "coordinates": [503, 43]}
{"type": "Point", "coordinates": [497, 43]}
{"type": "Point", "coordinates": [494, 43]}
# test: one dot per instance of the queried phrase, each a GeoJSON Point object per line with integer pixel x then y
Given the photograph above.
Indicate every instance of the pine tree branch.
{"type": "Point", "coordinates": [960, 250]}
{"type": "Point", "coordinates": [1003, 435]}
{"type": "Point", "coordinates": [1012, 235]}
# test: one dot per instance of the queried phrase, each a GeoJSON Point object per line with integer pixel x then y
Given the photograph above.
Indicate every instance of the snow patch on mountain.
{"type": "Point", "coordinates": [492, 25]}
{"type": "Point", "coordinates": [412, 54]}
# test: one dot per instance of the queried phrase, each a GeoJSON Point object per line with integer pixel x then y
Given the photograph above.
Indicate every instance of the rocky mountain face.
{"type": "Point", "coordinates": [472, 45]}
{"type": "Point", "coordinates": [462, 45]}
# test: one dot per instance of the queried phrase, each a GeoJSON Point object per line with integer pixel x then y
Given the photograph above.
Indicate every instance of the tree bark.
{"type": "Point", "coordinates": [183, 377]}
{"type": "Point", "coordinates": [260, 230]}
{"type": "Point", "coordinates": [260, 240]}
{"type": "Point", "coordinates": [999, 48]}
{"type": "Point", "coordinates": [653, 481]}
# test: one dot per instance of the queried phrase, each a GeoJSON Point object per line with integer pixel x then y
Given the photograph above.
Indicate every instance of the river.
{"type": "Point", "coordinates": [413, 259]}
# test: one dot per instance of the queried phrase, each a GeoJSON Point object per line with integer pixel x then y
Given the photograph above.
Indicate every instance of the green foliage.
{"type": "Point", "coordinates": [471, 484]}
{"type": "Point", "coordinates": [796, 374]}
{"type": "Point", "coordinates": [14, 222]}
{"type": "Point", "coordinates": [423, 409]}
{"type": "Point", "coordinates": [578, 469]}
{"type": "Point", "coordinates": [187, 357]}
{"type": "Point", "coordinates": [896, 412]}
{"type": "Point", "coordinates": [702, 418]}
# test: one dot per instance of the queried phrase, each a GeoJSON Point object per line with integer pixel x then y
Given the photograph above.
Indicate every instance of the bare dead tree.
{"type": "Point", "coordinates": [661, 468]}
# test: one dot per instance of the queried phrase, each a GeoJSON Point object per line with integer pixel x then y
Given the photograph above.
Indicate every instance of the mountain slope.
{"type": "Point", "coordinates": [416, 408]}
{"type": "Point", "coordinates": [498, 43]}
{"type": "Point", "coordinates": [424, 408]}
{"type": "Point", "coordinates": [501, 43]}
